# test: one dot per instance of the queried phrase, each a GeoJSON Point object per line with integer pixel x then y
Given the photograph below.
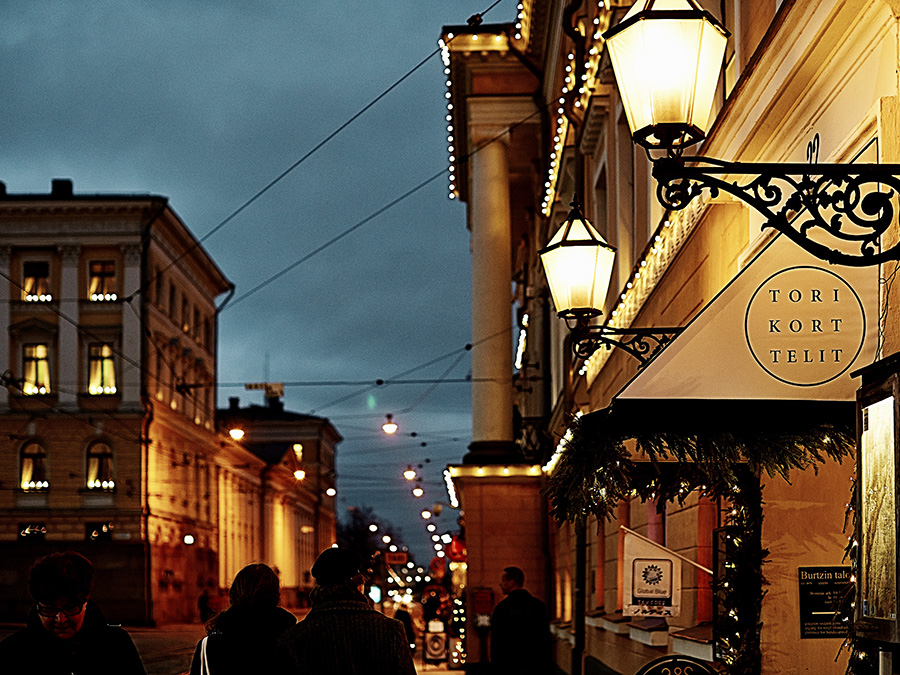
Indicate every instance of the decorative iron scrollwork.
{"type": "Point", "coordinates": [836, 212]}
{"type": "Point", "coordinates": [642, 343]}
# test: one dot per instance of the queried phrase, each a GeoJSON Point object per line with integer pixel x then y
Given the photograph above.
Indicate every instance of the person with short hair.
{"type": "Point", "coordinates": [520, 629]}
{"type": "Point", "coordinates": [343, 633]}
{"type": "Point", "coordinates": [242, 638]}
{"type": "Point", "coordinates": [65, 632]}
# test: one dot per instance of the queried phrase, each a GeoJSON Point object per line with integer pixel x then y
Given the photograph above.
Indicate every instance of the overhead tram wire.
{"type": "Point", "coordinates": [475, 19]}
{"type": "Point", "coordinates": [383, 209]}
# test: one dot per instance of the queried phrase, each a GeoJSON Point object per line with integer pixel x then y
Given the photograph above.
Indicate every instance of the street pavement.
{"type": "Point", "coordinates": [167, 650]}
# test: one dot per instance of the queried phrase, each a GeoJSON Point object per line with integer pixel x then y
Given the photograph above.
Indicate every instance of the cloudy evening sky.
{"type": "Point", "coordinates": [206, 102]}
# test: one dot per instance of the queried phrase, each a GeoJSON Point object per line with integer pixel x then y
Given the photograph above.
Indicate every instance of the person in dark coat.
{"type": "Point", "coordinates": [343, 633]}
{"type": "Point", "coordinates": [241, 639]}
{"type": "Point", "coordinates": [65, 632]}
{"type": "Point", "coordinates": [520, 629]}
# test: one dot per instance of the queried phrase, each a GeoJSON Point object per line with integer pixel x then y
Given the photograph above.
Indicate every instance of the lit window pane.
{"type": "Point", "coordinates": [36, 281]}
{"type": "Point", "coordinates": [33, 472]}
{"type": "Point", "coordinates": [100, 467]}
{"type": "Point", "coordinates": [101, 369]}
{"type": "Point", "coordinates": [102, 284]}
{"type": "Point", "coordinates": [36, 366]}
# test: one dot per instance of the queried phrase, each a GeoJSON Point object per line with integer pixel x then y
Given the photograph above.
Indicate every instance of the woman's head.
{"type": "Point", "coordinates": [256, 585]}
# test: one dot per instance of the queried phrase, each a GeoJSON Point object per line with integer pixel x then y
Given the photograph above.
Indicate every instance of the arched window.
{"type": "Point", "coordinates": [100, 467]}
{"type": "Point", "coordinates": [33, 467]}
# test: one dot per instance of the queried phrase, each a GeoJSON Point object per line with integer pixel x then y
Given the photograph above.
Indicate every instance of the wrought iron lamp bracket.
{"type": "Point", "coordinates": [850, 205]}
{"type": "Point", "coordinates": [642, 343]}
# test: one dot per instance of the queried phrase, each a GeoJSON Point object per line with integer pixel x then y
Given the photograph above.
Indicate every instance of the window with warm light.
{"type": "Point", "coordinates": [36, 281]}
{"type": "Point", "coordinates": [101, 369]}
{"type": "Point", "coordinates": [33, 467]}
{"type": "Point", "coordinates": [100, 467]}
{"type": "Point", "coordinates": [36, 369]}
{"type": "Point", "coordinates": [102, 281]}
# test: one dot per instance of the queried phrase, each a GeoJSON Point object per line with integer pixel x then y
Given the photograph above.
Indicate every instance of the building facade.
{"type": "Point", "coordinates": [535, 116]}
{"type": "Point", "coordinates": [297, 495]}
{"type": "Point", "coordinates": [107, 412]}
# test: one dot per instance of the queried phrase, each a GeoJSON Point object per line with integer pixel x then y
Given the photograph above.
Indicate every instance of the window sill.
{"type": "Point", "coordinates": [31, 499]}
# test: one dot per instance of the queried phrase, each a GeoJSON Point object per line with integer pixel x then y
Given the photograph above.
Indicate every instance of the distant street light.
{"type": "Point", "coordinates": [236, 434]}
{"type": "Point", "coordinates": [426, 514]}
{"type": "Point", "coordinates": [410, 473]}
{"type": "Point", "coordinates": [389, 427]}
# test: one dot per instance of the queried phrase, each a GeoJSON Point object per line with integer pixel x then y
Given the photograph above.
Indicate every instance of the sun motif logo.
{"type": "Point", "coordinates": [652, 574]}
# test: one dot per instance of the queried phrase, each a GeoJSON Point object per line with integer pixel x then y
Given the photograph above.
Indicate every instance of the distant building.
{"type": "Point", "coordinates": [297, 487]}
{"type": "Point", "coordinates": [108, 443]}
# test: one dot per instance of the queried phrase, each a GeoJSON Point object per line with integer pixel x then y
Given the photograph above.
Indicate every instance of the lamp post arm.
{"type": "Point", "coordinates": [641, 343]}
{"type": "Point", "coordinates": [850, 205]}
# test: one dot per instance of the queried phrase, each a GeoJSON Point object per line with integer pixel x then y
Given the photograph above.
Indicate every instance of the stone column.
{"type": "Point", "coordinates": [492, 335]}
{"type": "Point", "coordinates": [68, 386]}
{"type": "Point", "coordinates": [130, 379]}
{"type": "Point", "coordinates": [4, 321]}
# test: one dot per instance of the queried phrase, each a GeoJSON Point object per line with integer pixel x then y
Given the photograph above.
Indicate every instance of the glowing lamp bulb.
{"type": "Point", "coordinates": [299, 474]}
{"type": "Point", "coordinates": [418, 492]}
{"type": "Point", "coordinates": [426, 514]}
{"type": "Point", "coordinates": [236, 434]}
{"type": "Point", "coordinates": [389, 427]}
{"type": "Point", "coordinates": [410, 473]}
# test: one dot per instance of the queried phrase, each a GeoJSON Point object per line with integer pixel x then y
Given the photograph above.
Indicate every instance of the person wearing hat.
{"type": "Point", "coordinates": [343, 633]}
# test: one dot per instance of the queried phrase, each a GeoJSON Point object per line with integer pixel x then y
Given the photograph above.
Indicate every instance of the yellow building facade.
{"type": "Point", "coordinates": [535, 117]}
{"type": "Point", "coordinates": [107, 412]}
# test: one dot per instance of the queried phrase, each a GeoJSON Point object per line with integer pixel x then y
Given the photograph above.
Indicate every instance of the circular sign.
{"type": "Point", "coordinates": [677, 664]}
{"type": "Point", "coordinates": [805, 326]}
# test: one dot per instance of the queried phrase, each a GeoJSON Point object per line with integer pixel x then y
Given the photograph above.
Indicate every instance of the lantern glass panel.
{"type": "Point", "coordinates": [878, 582]}
{"type": "Point", "coordinates": [667, 70]}
{"type": "Point", "coordinates": [578, 269]}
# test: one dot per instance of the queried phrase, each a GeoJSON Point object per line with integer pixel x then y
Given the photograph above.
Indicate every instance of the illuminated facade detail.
{"type": "Point", "coordinates": [100, 467]}
{"type": "Point", "coordinates": [102, 281]}
{"type": "Point", "coordinates": [101, 369]}
{"type": "Point", "coordinates": [36, 281]}
{"type": "Point", "coordinates": [35, 369]}
{"type": "Point", "coordinates": [33, 467]}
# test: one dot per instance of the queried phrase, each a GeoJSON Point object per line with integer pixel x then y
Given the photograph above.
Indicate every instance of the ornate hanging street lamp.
{"type": "Point", "coordinates": [666, 55]}
{"type": "Point", "coordinates": [578, 264]}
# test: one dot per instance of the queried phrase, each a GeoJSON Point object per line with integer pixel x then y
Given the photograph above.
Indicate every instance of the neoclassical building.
{"type": "Point", "coordinates": [108, 438]}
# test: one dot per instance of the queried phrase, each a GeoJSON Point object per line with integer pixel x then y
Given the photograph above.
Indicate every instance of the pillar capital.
{"type": "Point", "coordinates": [490, 117]}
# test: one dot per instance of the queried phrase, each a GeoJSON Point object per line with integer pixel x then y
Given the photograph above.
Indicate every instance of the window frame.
{"type": "Point", "coordinates": [107, 281]}
{"type": "Point", "coordinates": [31, 292]}
{"type": "Point", "coordinates": [33, 483]}
{"type": "Point", "coordinates": [37, 361]}
{"type": "Point", "coordinates": [102, 480]}
{"type": "Point", "coordinates": [101, 359]}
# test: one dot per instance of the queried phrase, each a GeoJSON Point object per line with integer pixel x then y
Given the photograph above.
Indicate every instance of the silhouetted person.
{"type": "Point", "coordinates": [242, 638]}
{"type": "Point", "coordinates": [343, 634]}
{"type": "Point", "coordinates": [65, 632]}
{"type": "Point", "coordinates": [203, 605]}
{"type": "Point", "coordinates": [520, 630]}
{"type": "Point", "coordinates": [403, 616]}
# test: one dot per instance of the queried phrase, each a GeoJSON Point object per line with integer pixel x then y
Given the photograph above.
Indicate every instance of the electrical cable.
{"type": "Point", "coordinates": [378, 212]}
{"type": "Point", "coordinates": [475, 19]}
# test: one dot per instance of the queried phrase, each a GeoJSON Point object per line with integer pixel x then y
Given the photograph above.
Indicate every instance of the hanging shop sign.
{"type": "Point", "coordinates": [785, 328]}
{"type": "Point", "coordinates": [805, 326]}
{"type": "Point", "coordinates": [821, 591]}
{"type": "Point", "coordinates": [652, 579]}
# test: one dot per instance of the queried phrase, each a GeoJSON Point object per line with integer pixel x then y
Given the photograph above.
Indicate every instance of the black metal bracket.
{"type": "Point", "coordinates": [642, 343]}
{"type": "Point", "coordinates": [850, 205]}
